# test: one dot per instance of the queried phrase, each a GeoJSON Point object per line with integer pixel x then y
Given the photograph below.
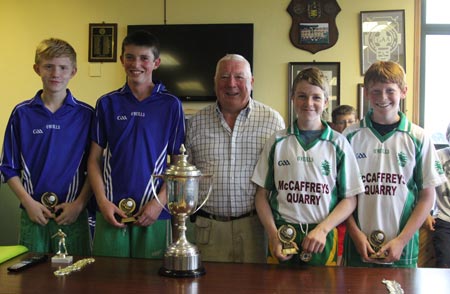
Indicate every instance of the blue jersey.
{"type": "Point", "coordinates": [137, 137]}
{"type": "Point", "coordinates": [48, 150]}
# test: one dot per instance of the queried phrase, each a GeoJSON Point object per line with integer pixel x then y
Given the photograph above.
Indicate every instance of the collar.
{"type": "Point", "coordinates": [246, 111]}
{"type": "Point", "coordinates": [69, 100]}
{"type": "Point", "coordinates": [404, 125]}
{"type": "Point", "coordinates": [326, 135]}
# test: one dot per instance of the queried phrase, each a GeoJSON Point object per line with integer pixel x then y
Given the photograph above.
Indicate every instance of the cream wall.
{"type": "Point", "coordinates": [24, 23]}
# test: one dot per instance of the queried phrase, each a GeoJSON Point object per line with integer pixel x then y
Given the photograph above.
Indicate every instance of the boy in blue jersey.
{"type": "Point", "coordinates": [307, 180]}
{"type": "Point", "coordinates": [44, 158]}
{"type": "Point", "coordinates": [400, 170]}
{"type": "Point", "coordinates": [135, 128]}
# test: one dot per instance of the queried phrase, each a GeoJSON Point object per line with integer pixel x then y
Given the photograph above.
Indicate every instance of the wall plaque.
{"type": "Point", "coordinates": [313, 24]}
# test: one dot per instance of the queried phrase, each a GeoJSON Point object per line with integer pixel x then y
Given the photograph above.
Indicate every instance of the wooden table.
{"type": "Point", "coordinates": [123, 275]}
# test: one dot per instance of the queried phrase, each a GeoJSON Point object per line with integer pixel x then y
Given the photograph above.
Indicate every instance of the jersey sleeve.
{"type": "Point", "coordinates": [178, 131]}
{"type": "Point", "coordinates": [263, 174]}
{"type": "Point", "coordinates": [98, 128]}
{"type": "Point", "coordinates": [428, 172]}
{"type": "Point", "coordinates": [10, 164]}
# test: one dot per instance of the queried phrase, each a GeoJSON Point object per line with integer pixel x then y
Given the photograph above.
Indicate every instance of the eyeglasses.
{"type": "Point", "coordinates": [345, 122]}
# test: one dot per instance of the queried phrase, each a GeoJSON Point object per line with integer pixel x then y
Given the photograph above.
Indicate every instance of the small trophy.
{"type": "Point", "coordinates": [61, 256]}
{"type": "Point", "coordinates": [50, 200]}
{"type": "Point", "coordinates": [376, 240]}
{"type": "Point", "coordinates": [128, 206]}
{"type": "Point", "coordinates": [287, 234]}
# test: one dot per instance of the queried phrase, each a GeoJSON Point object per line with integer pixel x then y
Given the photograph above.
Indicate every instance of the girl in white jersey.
{"type": "Point", "coordinates": [307, 178]}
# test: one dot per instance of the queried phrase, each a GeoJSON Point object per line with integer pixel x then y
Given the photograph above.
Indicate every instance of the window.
{"type": "Point", "coordinates": [435, 62]}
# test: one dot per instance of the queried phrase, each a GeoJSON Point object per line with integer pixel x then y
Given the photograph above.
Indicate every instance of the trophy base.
{"type": "Point", "coordinates": [62, 259]}
{"type": "Point", "coordinates": [289, 251]}
{"type": "Point", "coordinates": [375, 256]}
{"type": "Point", "coordinates": [182, 273]}
{"type": "Point", "coordinates": [128, 220]}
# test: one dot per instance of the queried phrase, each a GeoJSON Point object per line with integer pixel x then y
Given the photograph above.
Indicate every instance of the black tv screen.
{"type": "Point", "coordinates": [189, 54]}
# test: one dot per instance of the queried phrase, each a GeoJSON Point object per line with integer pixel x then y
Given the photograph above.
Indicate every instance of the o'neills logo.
{"type": "Point", "coordinates": [121, 117]}
{"type": "Point", "coordinates": [138, 113]}
{"type": "Point", "coordinates": [37, 131]}
{"type": "Point", "coordinates": [53, 127]}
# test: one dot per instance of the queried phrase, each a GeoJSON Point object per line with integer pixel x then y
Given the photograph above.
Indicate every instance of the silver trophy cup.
{"type": "Point", "coordinates": [182, 258]}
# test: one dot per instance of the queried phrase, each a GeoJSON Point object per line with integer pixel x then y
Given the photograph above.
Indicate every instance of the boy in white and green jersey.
{"type": "Point", "coordinates": [307, 177]}
{"type": "Point", "coordinates": [399, 168]}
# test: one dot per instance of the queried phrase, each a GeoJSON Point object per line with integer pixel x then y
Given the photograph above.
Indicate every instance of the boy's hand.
{"type": "Point", "coordinates": [148, 214]}
{"type": "Point", "coordinates": [276, 247]}
{"type": "Point", "coordinates": [429, 223]}
{"type": "Point", "coordinates": [37, 212]}
{"type": "Point", "coordinates": [362, 246]}
{"type": "Point", "coordinates": [393, 250]}
{"type": "Point", "coordinates": [109, 212]}
{"type": "Point", "coordinates": [67, 213]}
{"type": "Point", "coordinates": [314, 242]}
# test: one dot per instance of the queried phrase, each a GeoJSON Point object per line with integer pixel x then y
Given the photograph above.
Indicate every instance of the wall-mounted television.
{"type": "Point", "coordinates": [189, 54]}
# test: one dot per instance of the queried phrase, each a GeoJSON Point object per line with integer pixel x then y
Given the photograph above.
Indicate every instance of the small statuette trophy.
{"type": "Point", "coordinates": [182, 259]}
{"type": "Point", "coordinates": [50, 200]}
{"type": "Point", "coordinates": [376, 240]}
{"type": "Point", "coordinates": [287, 234]}
{"type": "Point", "coordinates": [128, 206]}
{"type": "Point", "coordinates": [61, 256]}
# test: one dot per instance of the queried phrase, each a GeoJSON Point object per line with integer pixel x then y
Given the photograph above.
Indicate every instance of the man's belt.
{"type": "Point", "coordinates": [219, 218]}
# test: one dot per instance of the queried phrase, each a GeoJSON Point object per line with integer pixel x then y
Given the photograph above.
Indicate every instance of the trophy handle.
{"type": "Point", "coordinates": [156, 194]}
{"type": "Point", "coordinates": [207, 195]}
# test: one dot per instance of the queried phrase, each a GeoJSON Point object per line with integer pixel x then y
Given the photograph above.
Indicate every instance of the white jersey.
{"type": "Point", "coordinates": [394, 168]}
{"type": "Point", "coordinates": [306, 182]}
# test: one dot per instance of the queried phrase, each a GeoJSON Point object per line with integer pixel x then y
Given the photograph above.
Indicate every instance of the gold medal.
{"type": "Point", "coordinates": [305, 256]}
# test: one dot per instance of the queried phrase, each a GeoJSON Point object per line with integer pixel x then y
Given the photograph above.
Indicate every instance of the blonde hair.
{"type": "Point", "coordinates": [51, 48]}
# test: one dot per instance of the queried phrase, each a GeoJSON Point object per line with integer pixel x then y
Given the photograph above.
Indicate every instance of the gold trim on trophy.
{"type": "Point", "coordinates": [50, 200]}
{"type": "Point", "coordinates": [286, 234]}
{"type": "Point", "coordinates": [128, 206]}
{"type": "Point", "coordinates": [376, 240]}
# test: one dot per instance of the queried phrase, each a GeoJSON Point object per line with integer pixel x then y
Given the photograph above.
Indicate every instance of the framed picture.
{"type": "Point", "coordinates": [332, 71]}
{"type": "Point", "coordinates": [382, 37]}
{"type": "Point", "coordinates": [364, 106]}
{"type": "Point", "coordinates": [102, 42]}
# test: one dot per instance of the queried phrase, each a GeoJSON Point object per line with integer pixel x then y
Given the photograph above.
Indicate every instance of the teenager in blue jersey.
{"type": "Point", "coordinates": [135, 128]}
{"type": "Point", "coordinates": [45, 150]}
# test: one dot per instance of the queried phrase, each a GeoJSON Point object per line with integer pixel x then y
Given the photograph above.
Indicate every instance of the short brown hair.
{"type": "Point", "coordinates": [342, 110]}
{"type": "Point", "coordinates": [315, 77]}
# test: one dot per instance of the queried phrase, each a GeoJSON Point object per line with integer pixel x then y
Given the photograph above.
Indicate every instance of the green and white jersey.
{"type": "Point", "coordinates": [394, 168]}
{"type": "Point", "coordinates": [306, 181]}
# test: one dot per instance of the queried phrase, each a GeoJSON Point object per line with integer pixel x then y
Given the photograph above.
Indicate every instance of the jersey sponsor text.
{"type": "Point", "coordinates": [304, 186]}
{"type": "Point", "coordinates": [303, 198]}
